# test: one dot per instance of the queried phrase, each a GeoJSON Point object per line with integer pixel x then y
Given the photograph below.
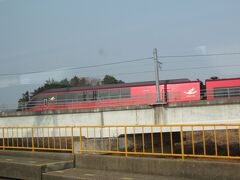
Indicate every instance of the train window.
{"type": "Point", "coordinates": [38, 99]}
{"type": "Point", "coordinates": [35, 101]}
{"type": "Point", "coordinates": [234, 91]}
{"type": "Point", "coordinates": [60, 97]}
{"type": "Point", "coordinates": [226, 92]}
{"type": "Point", "coordinates": [45, 101]}
{"type": "Point", "coordinates": [89, 95]}
{"type": "Point", "coordinates": [74, 95]}
{"type": "Point", "coordinates": [69, 96]}
{"type": "Point", "coordinates": [64, 97]}
{"type": "Point", "coordinates": [78, 96]}
{"type": "Point", "coordinates": [220, 92]}
{"type": "Point", "coordinates": [103, 94]}
{"type": "Point", "coordinates": [125, 93]}
{"type": "Point", "coordinates": [115, 94]}
{"type": "Point", "coordinates": [81, 96]}
{"type": "Point", "coordinates": [94, 95]}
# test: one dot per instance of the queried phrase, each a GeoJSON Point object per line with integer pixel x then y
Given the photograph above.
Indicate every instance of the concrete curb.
{"type": "Point", "coordinates": [197, 169]}
{"type": "Point", "coordinates": [45, 155]}
{"type": "Point", "coordinates": [31, 165]}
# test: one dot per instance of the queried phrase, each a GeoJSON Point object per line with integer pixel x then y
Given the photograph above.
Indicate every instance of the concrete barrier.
{"type": "Point", "coordinates": [37, 165]}
{"type": "Point", "coordinates": [222, 111]}
{"type": "Point", "coordinates": [45, 155]}
{"type": "Point", "coordinates": [31, 165]}
{"type": "Point", "coordinates": [196, 169]}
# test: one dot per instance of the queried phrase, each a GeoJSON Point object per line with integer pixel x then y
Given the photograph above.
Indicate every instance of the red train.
{"type": "Point", "coordinates": [222, 88]}
{"type": "Point", "coordinates": [140, 93]}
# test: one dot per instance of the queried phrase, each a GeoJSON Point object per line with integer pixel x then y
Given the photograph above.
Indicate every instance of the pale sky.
{"type": "Point", "coordinates": [56, 34]}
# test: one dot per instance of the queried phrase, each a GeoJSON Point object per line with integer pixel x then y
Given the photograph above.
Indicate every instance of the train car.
{"type": "Point", "coordinates": [222, 88]}
{"type": "Point", "coordinates": [171, 91]}
{"type": "Point", "coordinates": [180, 92]}
{"type": "Point", "coordinates": [115, 95]}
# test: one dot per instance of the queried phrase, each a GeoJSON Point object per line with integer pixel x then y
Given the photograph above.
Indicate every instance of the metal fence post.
{"type": "Point", "coordinates": [72, 140]}
{"type": "Point", "coordinates": [80, 143]}
{"type": "Point", "coordinates": [182, 143]}
{"type": "Point", "coordinates": [3, 138]}
{"type": "Point", "coordinates": [32, 140]}
{"type": "Point", "coordinates": [125, 140]}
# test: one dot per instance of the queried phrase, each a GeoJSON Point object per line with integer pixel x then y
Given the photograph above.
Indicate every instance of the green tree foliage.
{"type": "Point", "coordinates": [111, 80]}
{"type": "Point", "coordinates": [79, 82]}
{"type": "Point", "coordinates": [23, 100]}
{"type": "Point", "coordinates": [65, 82]}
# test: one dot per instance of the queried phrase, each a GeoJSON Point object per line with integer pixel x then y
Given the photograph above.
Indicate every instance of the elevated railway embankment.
{"type": "Point", "coordinates": [220, 111]}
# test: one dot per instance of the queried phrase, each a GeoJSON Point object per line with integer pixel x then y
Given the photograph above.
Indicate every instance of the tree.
{"type": "Point", "coordinates": [65, 82]}
{"type": "Point", "coordinates": [111, 80]}
{"type": "Point", "coordinates": [74, 82]}
{"type": "Point", "coordinates": [23, 100]}
{"type": "Point", "coordinates": [83, 82]}
{"type": "Point", "coordinates": [79, 82]}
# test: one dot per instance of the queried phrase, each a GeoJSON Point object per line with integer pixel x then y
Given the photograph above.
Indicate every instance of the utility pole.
{"type": "Point", "coordinates": [156, 63]}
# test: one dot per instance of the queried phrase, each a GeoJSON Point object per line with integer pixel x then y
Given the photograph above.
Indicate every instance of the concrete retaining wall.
{"type": "Point", "coordinates": [224, 113]}
{"type": "Point", "coordinates": [174, 113]}
{"type": "Point", "coordinates": [121, 117]}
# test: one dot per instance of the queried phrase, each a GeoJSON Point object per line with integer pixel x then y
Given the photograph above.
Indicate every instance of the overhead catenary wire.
{"type": "Point", "coordinates": [81, 67]}
{"type": "Point", "coordinates": [190, 60]}
{"type": "Point", "coordinates": [129, 61]}
{"type": "Point", "coordinates": [176, 69]}
{"type": "Point", "coordinates": [203, 67]}
{"type": "Point", "coordinates": [128, 73]}
{"type": "Point", "coordinates": [200, 55]}
{"type": "Point", "coordinates": [190, 56]}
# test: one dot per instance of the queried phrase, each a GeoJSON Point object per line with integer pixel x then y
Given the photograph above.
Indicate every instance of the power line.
{"type": "Point", "coordinates": [129, 73]}
{"type": "Point", "coordinates": [177, 69]}
{"type": "Point", "coordinates": [109, 64]}
{"type": "Point", "coordinates": [199, 55]}
{"type": "Point", "coordinates": [183, 60]}
{"type": "Point", "coordinates": [126, 61]}
{"type": "Point", "coordinates": [203, 67]}
{"type": "Point", "coordinates": [81, 67]}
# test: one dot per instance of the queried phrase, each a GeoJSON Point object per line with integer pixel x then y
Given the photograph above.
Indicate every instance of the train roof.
{"type": "Point", "coordinates": [107, 86]}
{"type": "Point", "coordinates": [224, 79]}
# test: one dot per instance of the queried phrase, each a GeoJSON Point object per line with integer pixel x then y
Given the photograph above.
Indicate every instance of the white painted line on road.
{"type": "Point", "coordinates": [89, 174]}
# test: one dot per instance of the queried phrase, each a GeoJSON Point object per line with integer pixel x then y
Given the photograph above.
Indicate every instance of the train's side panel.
{"type": "Point", "coordinates": [143, 94]}
{"type": "Point", "coordinates": [223, 83]}
{"type": "Point", "coordinates": [189, 91]}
